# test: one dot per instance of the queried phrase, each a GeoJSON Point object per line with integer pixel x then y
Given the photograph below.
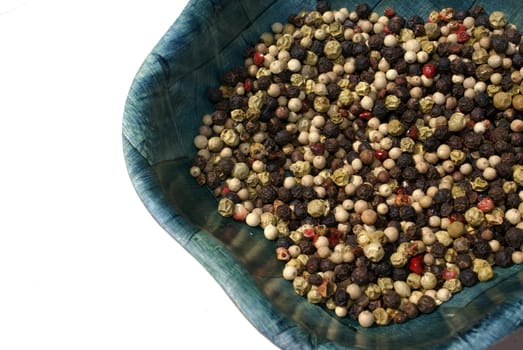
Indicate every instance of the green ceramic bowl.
{"type": "Point", "coordinates": [162, 115]}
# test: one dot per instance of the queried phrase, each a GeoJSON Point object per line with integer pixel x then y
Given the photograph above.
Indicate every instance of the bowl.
{"type": "Point", "coordinates": [161, 117]}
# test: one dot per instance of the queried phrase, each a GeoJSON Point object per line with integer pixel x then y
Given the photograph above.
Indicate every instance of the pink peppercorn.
{"type": "Point", "coordinates": [381, 154]}
{"type": "Point", "coordinates": [309, 232]}
{"type": "Point", "coordinates": [416, 264]}
{"type": "Point", "coordinates": [486, 204]}
{"type": "Point", "coordinates": [247, 85]}
{"type": "Point", "coordinates": [429, 70]}
{"type": "Point", "coordinates": [448, 274]}
{"type": "Point", "coordinates": [258, 58]}
{"type": "Point", "coordinates": [366, 115]}
{"type": "Point", "coordinates": [412, 132]}
{"type": "Point", "coordinates": [462, 36]}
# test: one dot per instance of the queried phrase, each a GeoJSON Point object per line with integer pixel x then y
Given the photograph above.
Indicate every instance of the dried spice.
{"type": "Point", "coordinates": [382, 156]}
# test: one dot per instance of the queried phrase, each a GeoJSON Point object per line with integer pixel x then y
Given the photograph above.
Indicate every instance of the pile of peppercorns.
{"type": "Point", "coordinates": [383, 154]}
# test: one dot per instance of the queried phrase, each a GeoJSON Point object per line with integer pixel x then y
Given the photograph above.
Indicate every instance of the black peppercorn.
{"type": "Point", "coordinates": [315, 279]}
{"type": "Point", "coordinates": [323, 6]}
{"type": "Point", "coordinates": [326, 265]}
{"type": "Point", "coordinates": [324, 65]}
{"type": "Point", "coordinates": [341, 298]}
{"type": "Point", "coordinates": [363, 10]}
{"type": "Point", "coordinates": [284, 242]}
{"type": "Point", "coordinates": [517, 60]}
{"type": "Point", "coordinates": [414, 20]}
{"type": "Point", "coordinates": [426, 304]}
{"type": "Point", "coordinates": [503, 257]}
{"type": "Point", "coordinates": [499, 43]}
{"type": "Point", "coordinates": [355, 310]}
{"type": "Point", "coordinates": [503, 170]}
{"type": "Point", "coordinates": [360, 275]}
{"type": "Point", "coordinates": [482, 20]}
{"type": "Point", "coordinates": [497, 194]}
{"type": "Point", "coordinates": [472, 141]}
{"type": "Point", "coordinates": [463, 261]}
{"type": "Point", "coordinates": [399, 274]}
{"type": "Point", "coordinates": [438, 250]}
{"type": "Point", "coordinates": [364, 191]}
{"type": "Point", "coordinates": [409, 309]}
{"type": "Point", "coordinates": [514, 237]}
{"type": "Point", "coordinates": [468, 278]}
{"type": "Point", "coordinates": [461, 204]}
{"type": "Point", "coordinates": [512, 200]}
{"type": "Point", "coordinates": [342, 272]}
{"type": "Point", "coordinates": [442, 196]}
{"type": "Point", "coordinates": [392, 54]}
{"type": "Point", "coordinates": [407, 213]}
{"type": "Point", "coordinates": [481, 249]}
{"type": "Point", "coordinates": [391, 299]}
{"type": "Point", "coordinates": [383, 268]}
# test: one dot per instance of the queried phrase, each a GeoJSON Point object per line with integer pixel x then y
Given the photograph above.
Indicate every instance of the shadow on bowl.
{"type": "Point", "coordinates": [162, 115]}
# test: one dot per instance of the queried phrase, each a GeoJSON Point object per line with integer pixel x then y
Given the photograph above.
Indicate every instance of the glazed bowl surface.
{"type": "Point", "coordinates": [163, 112]}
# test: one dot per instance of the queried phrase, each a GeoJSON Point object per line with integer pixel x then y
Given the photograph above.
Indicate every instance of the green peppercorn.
{"type": "Point", "coordinates": [317, 208]}
{"type": "Point", "coordinates": [497, 19]}
{"type": "Point", "coordinates": [392, 102]}
{"type": "Point", "coordinates": [479, 184]}
{"type": "Point", "coordinates": [225, 207]}
{"type": "Point", "coordinates": [517, 174]}
{"type": "Point", "coordinates": [456, 229]}
{"type": "Point", "coordinates": [340, 177]}
{"type": "Point", "coordinates": [426, 103]}
{"type": "Point", "coordinates": [502, 100]}
{"type": "Point", "coordinates": [483, 269]}
{"type": "Point", "coordinates": [395, 128]}
{"type": "Point", "coordinates": [407, 144]}
{"type": "Point", "coordinates": [474, 216]}
{"type": "Point", "coordinates": [457, 122]}
{"type": "Point", "coordinates": [332, 49]}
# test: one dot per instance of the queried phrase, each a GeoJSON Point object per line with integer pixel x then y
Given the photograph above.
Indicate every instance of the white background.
{"type": "Point", "coordinates": [83, 265]}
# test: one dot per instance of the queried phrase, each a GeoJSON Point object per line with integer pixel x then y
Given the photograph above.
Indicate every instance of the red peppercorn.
{"type": "Point", "coordinates": [258, 58]}
{"type": "Point", "coordinates": [366, 115]}
{"type": "Point", "coordinates": [402, 199]}
{"type": "Point", "coordinates": [456, 217]}
{"type": "Point", "coordinates": [448, 274]}
{"type": "Point", "coordinates": [334, 236]}
{"type": "Point", "coordinates": [389, 12]}
{"type": "Point", "coordinates": [225, 189]}
{"type": "Point", "coordinates": [416, 264]}
{"type": "Point", "coordinates": [412, 132]}
{"type": "Point", "coordinates": [247, 85]}
{"type": "Point", "coordinates": [429, 70]}
{"type": "Point", "coordinates": [446, 14]}
{"type": "Point", "coordinates": [486, 204]}
{"type": "Point", "coordinates": [462, 36]}
{"type": "Point", "coordinates": [386, 29]}
{"type": "Point", "coordinates": [381, 154]}
{"type": "Point", "coordinates": [309, 232]}
{"type": "Point", "coordinates": [317, 148]}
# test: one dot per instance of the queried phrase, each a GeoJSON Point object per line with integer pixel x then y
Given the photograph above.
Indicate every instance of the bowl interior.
{"type": "Point", "coordinates": [162, 115]}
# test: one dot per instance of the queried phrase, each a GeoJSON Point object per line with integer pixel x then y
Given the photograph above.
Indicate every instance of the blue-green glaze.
{"type": "Point", "coordinates": [161, 117]}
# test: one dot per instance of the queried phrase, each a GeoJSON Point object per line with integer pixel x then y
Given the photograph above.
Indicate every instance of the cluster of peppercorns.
{"type": "Point", "coordinates": [383, 154]}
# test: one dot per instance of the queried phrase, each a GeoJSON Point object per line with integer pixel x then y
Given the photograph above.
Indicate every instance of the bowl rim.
{"type": "Point", "coordinates": [287, 334]}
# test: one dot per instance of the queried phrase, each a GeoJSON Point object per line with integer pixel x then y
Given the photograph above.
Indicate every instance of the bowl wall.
{"type": "Point", "coordinates": [162, 115]}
